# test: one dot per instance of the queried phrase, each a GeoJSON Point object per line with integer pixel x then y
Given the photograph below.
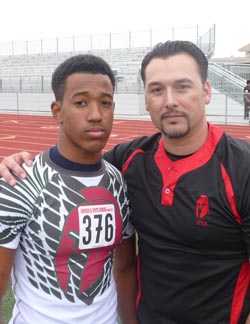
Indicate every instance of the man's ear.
{"type": "Point", "coordinates": [56, 109]}
{"type": "Point", "coordinates": [207, 92]}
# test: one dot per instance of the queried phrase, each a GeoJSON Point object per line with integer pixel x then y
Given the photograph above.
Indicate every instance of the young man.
{"type": "Point", "coordinates": [189, 189]}
{"type": "Point", "coordinates": [60, 226]}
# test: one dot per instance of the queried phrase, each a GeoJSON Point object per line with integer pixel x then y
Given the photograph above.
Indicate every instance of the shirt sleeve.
{"type": "Point", "coordinates": [15, 211]}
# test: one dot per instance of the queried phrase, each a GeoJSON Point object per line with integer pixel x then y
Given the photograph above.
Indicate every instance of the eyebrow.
{"type": "Point", "coordinates": [184, 80]}
{"type": "Point", "coordinates": [103, 94]}
{"type": "Point", "coordinates": [157, 83]}
{"type": "Point", "coordinates": [154, 83]}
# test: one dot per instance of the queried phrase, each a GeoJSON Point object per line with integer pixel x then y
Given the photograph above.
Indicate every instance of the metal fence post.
{"type": "Point", "coordinates": [17, 103]}
{"type": "Point", "coordinates": [226, 108]}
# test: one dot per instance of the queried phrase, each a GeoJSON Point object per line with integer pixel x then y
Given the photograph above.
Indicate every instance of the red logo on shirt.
{"type": "Point", "coordinates": [92, 270]}
{"type": "Point", "coordinates": [202, 210]}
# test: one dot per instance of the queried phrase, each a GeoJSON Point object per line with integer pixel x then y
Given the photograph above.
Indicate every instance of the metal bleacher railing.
{"type": "Point", "coordinates": [226, 81]}
{"type": "Point", "coordinates": [26, 66]}
{"type": "Point", "coordinates": [109, 41]}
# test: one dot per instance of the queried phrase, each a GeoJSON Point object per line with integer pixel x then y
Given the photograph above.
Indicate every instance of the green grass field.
{"type": "Point", "coordinates": [8, 302]}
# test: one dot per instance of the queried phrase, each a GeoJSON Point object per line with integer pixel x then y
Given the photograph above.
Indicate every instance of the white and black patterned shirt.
{"type": "Point", "coordinates": [65, 225]}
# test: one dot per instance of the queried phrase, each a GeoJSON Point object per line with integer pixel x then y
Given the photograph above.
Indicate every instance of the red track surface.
{"type": "Point", "coordinates": [38, 133]}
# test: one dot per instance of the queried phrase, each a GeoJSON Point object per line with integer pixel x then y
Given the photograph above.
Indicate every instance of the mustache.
{"type": "Point", "coordinates": [173, 111]}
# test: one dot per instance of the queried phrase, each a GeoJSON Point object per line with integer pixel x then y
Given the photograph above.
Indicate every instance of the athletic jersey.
{"type": "Point", "coordinates": [65, 226]}
{"type": "Point", "coordinates": [192, 217]}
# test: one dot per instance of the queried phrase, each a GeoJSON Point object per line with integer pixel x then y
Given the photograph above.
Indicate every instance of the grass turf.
{"type": "Point", "coordinates": [8, 302]}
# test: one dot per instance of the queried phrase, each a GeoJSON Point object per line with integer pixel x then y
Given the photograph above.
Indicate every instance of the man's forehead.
{"type": "Point", "coordinates": [178, 57]}
{"type": "Point", "coordinates": [178, 66]}
{"type": "Point", "coordinates": [86, 82]}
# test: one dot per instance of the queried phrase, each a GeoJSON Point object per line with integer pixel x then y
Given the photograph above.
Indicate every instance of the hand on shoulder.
{"type": "Point", "coordinates": [12, 164]}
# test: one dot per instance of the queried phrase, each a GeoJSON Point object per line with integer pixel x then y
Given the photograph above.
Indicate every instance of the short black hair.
{"type": "Point", "coordinates": [170, 48]}
{"type": "Point", "coordinates": [83, 63]}
{"type": "Point", "coordinates": [248, 81]}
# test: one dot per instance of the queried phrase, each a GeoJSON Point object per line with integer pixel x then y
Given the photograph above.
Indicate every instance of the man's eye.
{"type": "Point", "coordinates": [107, 103]}
{"type": "Point", "coordinates": [80, 103]}
{"type": "Point", "coordinates": [157, 90]}
{"type": "Point", "coordinates": [183, 87]}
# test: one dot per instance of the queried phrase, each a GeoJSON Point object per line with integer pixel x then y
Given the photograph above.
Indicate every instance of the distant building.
{"type": "Point", "coordinates": [245, 49]}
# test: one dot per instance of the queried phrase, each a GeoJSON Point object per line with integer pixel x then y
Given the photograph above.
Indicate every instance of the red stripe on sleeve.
{"type": "Point", "coordinates": [230, 194]}
{"type": "Point", "coordinates": [240, 293]}
{"type": "Point", "coordinates": [126, 164]}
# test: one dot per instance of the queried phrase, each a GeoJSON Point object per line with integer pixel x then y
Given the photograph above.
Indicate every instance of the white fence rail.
{"type": "Point", "coordinates": [222, 108]}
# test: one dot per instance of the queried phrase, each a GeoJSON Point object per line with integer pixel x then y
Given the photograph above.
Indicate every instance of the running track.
{"type": "Point", "coordinates": [38, 133]}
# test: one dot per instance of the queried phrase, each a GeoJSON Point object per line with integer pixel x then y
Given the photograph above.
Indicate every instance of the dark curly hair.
{"type": "Point", "coordinates": [79, 64]}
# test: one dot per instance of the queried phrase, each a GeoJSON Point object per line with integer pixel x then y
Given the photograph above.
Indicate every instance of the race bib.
{"type": "Point", "coordinates": [96, 226]}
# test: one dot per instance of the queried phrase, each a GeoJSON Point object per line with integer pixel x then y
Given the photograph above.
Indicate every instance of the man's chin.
{"type": "Point", "coordinates": [175, 132]}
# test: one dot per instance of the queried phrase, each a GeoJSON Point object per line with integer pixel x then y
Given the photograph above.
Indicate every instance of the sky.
{"type": "Point", "coordinates": [36, 19]}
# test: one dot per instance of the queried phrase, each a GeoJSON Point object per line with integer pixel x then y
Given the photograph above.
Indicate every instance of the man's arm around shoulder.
{"type": "Point", "coordinates": [13, 163]}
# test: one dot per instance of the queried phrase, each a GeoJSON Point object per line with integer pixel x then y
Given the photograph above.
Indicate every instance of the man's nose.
{"type": "Point", "coordinates": [94, 112]}
{"type": "Point", "coordinates": [169, 99]}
